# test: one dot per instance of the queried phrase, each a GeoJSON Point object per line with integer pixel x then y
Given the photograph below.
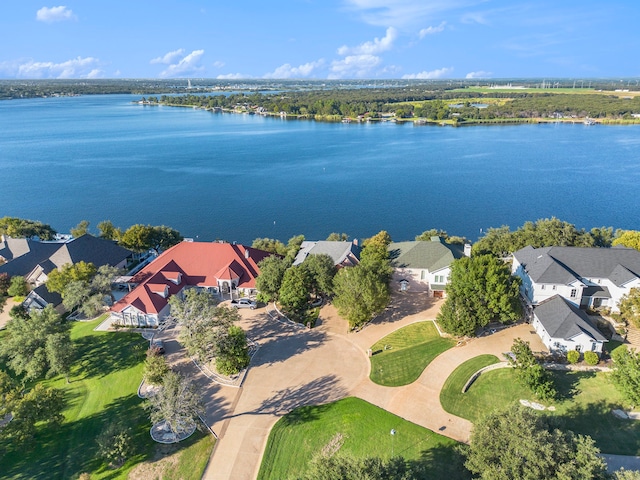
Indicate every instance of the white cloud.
{"type": "Point", "coordinates": [187, 65]}
{"type": "Point", "coordinates": [378, 45]}
{"type": "Point", "coordinates": [478, 74]}
{"type": "Point", "coordinates": [354, 66]}
{"type": "Point", "coordinates": [75, 68]}
{"type": "Point", "coordinates": [169, 57]}
{"type": "Point", "coordinates": [404, 12]}
{"type": "Point", "coordinates": [54, 14]}
{"type": "Point", "coordinates": [232, 76]}
{"type": "Point", "coordinates": [433, 74]}
{"type": "Point", "coordinates": [475, 17]}
{"type": "Point", "coordinates": [218, 64]}
{"type": "Point", "coordinates": [432, 30]}
{"type": "Point", "coordinates": [287, 71]}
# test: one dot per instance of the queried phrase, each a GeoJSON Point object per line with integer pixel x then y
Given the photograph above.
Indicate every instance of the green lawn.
{"type": "Point", "coordinates": [471, 404]}
{"type": "Point", "coordinates": [400, 357]}
{"type": "Point", "coordinates": [584, 404]}
{"type": "Point", "coordinates": [104, 383]}
{"type": "Point", "coordinates": [298, 436]}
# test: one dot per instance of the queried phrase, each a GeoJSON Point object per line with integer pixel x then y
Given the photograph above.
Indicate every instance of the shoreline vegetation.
{"type": "Point", "coordinates": [424, 102]}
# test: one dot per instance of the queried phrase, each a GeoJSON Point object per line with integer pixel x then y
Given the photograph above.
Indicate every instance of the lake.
{"type": "Point", "coordinates": [237, 177]}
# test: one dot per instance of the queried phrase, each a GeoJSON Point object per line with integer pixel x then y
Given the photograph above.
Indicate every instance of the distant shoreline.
{"type": "Point", "coordinates": [417, 121]}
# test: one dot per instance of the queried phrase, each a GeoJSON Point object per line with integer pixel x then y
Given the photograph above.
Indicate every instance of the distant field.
{"type": "Point", "coordinates": [575, 91]}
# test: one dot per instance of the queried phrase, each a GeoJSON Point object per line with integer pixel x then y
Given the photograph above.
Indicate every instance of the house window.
{"type": "Point", "coordinates": [542, 287]}
{"type": "Point", "coordinates": [553, 288]}
{"type": "Point", "coordinates": [574, 293]}
{"type": "Point", "coordinates": [439, 278]}
{"type": "Point", "coordinates": [423, 274]}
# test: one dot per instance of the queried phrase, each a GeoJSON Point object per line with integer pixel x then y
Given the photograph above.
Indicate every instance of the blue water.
{"type": "Point", "coordinates": [238, 177]}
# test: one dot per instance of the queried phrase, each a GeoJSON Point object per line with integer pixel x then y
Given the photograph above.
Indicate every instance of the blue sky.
{"type": "Point", "coordinates": [320, 39]}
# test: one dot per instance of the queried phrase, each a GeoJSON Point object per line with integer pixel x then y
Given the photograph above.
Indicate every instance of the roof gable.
{"type": "Point", "coordinates": [562, 265]}
{"type": "Point", "coordinates": [338, 251]}
{"type": "Point", "coordinates": [430, 255]}
{"type": "Point", "coordinates": [563, 320]}
{"type": "Point", "coordinates": [199, 264]}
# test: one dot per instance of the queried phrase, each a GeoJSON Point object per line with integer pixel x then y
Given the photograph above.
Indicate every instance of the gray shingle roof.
{"type": "Point", "coordinates": [338, 251]}
{"type": "Point", "coordinates": [563, 320]}
{"type": "Point", "coordinates": [563, 265]}
{"type": "Point", "coordinates": [430, 255]}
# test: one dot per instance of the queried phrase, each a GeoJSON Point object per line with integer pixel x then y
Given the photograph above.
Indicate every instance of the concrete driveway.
{"type": "Point", "coordinates": [296, 367]}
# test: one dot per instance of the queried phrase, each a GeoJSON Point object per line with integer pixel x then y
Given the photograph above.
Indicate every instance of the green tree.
{"type": "Point", "coordinates": [204, 323]}
{"type": "Point", "coordinates": [481, 289]}
{"type": "Point", "coordinates": [344, 467]}
{"type": "Point", "coordinates": [39, 405]}
{"type": "Point", "coordinates": [232, 352]}
{"type": "Point", "coordinates": [602, 236]}
{"type": "Point", "coordinates": [115, 444]}
{"type": "Point", "coordinates": [626, 373]}
{"type": "Point", "coordinates": [629, 306]}
{"type": "Point", "coordinates": [270, 245]}
{"type": "Point", "coordinates": [294, 292]}
{"type": "Point", "coordinates": [433, 232]}
{"type": "Point", "coordinates": [141, 238]}
{"type": "Point", "coordinates": [155, 367]}
{"type": "Point", "coordinates": [5, 283]}
{"type": "Point", "coordinates": [60, 354]}
{"type": "Point", "coordinates": [623, 474]}
{"type": "Point", "coordinates": [518, 444]}
{"type": "Point", "coordinates": [269, 281]}
{"type": "Point", "coordinates": [20, 228]}
{"type": "Point", "coordinates": [338, 237]}
{"type": "Point", "coordinates": [321, 272]}
{"type": "Point", "coordinates": [81, 229]}
{"type": "Point", "coordinates": [293, 246]}
{"type": "Point", "coordinates": [628, 238]}
{"type": "Point", "coordinates": [18, 287]}
{"type": "Point", "coordinates": [57, 280]}
{"type": "Point", "coordinates": [25, 343]}
{"type": "Point", "coordinates": [178, 403]}
{"type": "Point", "coordinates": [529, 372]}
{"type": "Point", "coordinates": [361, 294]}
{"type": "Point", "coordinates": [108, 231]}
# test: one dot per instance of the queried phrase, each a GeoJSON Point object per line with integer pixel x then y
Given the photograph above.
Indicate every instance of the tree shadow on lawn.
{"type": "Point", "coordinates": [566, 383]}
{"type": "Point", "coordinates": [441, 461]}
{"type": "Point", "coordinates": [101, 355]}
{"type": "Point", "coordinates": [66, 451]}
{"type": "Point", "coordinates": [612, 434]}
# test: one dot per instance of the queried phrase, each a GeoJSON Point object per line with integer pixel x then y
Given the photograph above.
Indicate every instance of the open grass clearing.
{"type": "Point", "coordinates": [103, 388]}
{"type": "Point", "coordinates": [584, 405]}
{"type": "Point", "coordinates": [365, 428]}
{"type": "Point", "coordinates": [400, 357]}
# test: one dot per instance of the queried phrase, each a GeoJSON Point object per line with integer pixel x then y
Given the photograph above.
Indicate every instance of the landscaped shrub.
{"type": "Point", "coordinates": [573, 356]}
{"type": "Point", "coordinates": [591, 358]}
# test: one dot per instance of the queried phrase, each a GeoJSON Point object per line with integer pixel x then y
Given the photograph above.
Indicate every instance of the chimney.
{"type": "Point", "coordinates": [467, 249]}
{"type": "Point", "coordinates": [355, 242]}
{"type": "Point", "coordinates": [246, 253]}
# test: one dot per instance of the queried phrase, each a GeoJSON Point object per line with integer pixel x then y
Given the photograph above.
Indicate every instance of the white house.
{"type": "Point", "coordinates": [562, 327]}
{"type": "Point", "coordinates": [424, 266]}
{"type": "Point", "coordinates": [587, 277]}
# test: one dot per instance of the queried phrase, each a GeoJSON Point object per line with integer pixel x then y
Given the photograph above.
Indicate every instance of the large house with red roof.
{"type": "Point", "coordinates": [220, 268]}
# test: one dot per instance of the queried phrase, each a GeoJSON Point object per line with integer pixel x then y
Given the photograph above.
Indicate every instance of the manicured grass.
{"type": "Point", "coordinates": [103, 388]}
{"type": "Point", "coordinates": [584, 404]}
{"type": "Point", "coordinates": [365, 428]}
{"type": "Point", "coordinates": [400, 357]}
{"type": "Point", "coordinates": [466, 405]}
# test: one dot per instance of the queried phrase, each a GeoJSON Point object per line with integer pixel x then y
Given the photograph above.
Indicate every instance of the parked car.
{"type": "Point", "coordinates": [244, 303]}
{"type": "Point", "coordinates": [157, 345]}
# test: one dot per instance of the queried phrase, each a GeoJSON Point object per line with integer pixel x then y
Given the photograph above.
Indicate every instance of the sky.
{"type": "Point", "coordinates": [320, 39]}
